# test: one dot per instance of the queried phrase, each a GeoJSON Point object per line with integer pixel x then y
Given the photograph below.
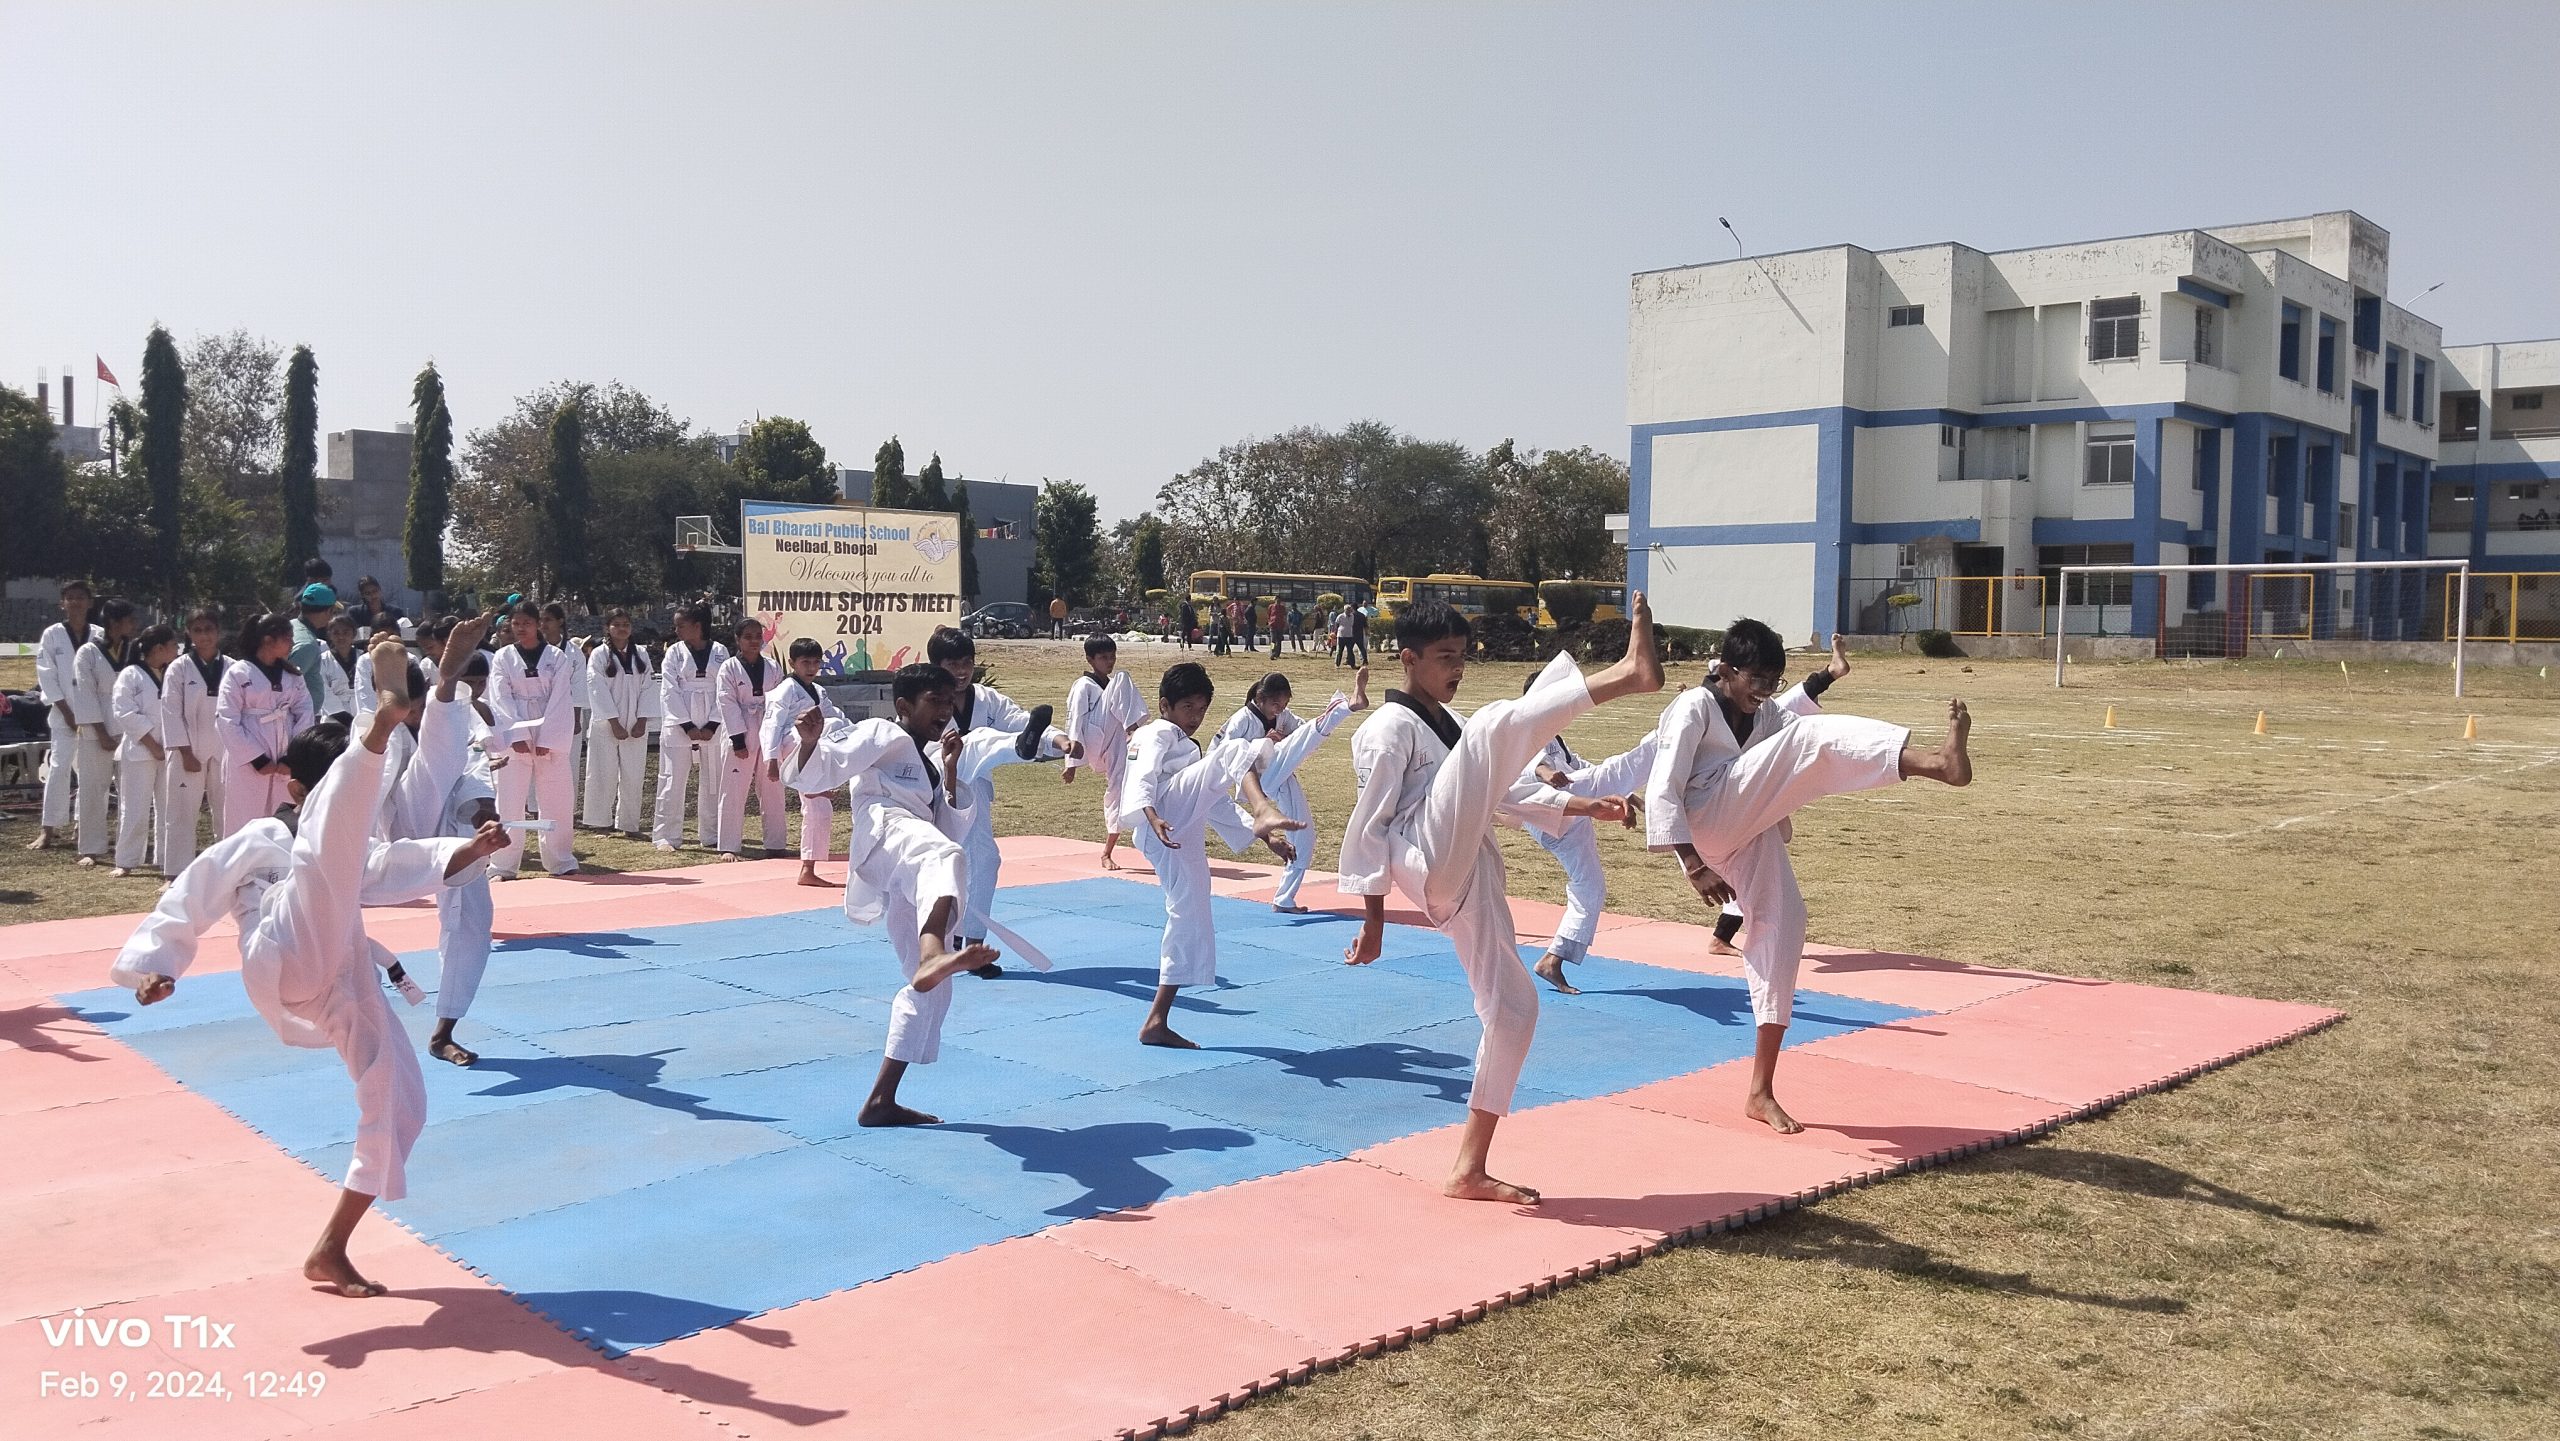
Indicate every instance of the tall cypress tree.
{"type": "Point", "coordinates": [889, 476]}
{"type": "Point", "coordinates": [301, 468]}
{"type": "Point", "coordinates": [430, 481]}
{"type": "Point", "coordinates": [164, 425]}
{"type": "Point", "coordinates": [931, 492]}
{"type": "Point", "coordinates": [968, 539]}
{"type": "Point", "coordinates": [566, 498]}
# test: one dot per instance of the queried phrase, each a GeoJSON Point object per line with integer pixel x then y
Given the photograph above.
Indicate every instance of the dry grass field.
{"type": "Point", "coordinates": [2357, 1235]}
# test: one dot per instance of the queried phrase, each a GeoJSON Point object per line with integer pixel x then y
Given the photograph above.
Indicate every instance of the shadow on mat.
{"type": "Point", "coordinates": [32, 1028]}
{"type": "Point", "coordinates": [2135, 1177]}
{"type": "Point", "coordinates": [635, 1077]}
{"type": "Point", "coordinates": [493, 1323]}
{"type": "Point", "coordinates": [1103, 1159]}
{"type": "Point", "coordinates": [1136, 983]}
{"type": "Point", "coordinates": [1856, 961]}
{"type": "Point", "coordinates": [1819, 1236]}
{"type": "Point", "coordinates": [1727, 1005]}
{"type": "Point", "coordinates": [597, 945]}
{"type": "Point", "coordinates": [1395, 1061]}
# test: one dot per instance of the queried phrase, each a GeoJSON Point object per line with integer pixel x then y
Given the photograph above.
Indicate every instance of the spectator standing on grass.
{"type": "Point", "coordinates": [1057, 617]}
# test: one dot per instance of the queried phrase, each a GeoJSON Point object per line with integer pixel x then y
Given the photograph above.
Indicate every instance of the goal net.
{"type": "Point", "coordinates": [2307, 609]}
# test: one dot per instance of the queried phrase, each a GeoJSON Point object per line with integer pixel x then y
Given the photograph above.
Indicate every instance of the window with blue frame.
{"type": "Point", "coordinates": [2289, 343]}
{"type": "Point", "coordinates": [2368, 323]}
{"type": "Point", "coordinates": [2421, 391]}
{"type": "Point", "coordinates": [2391, 380]}
{"type": "Point", "coordinates": [2201, 585]}
{"type": "Point", "coordinates": [2328, 359]}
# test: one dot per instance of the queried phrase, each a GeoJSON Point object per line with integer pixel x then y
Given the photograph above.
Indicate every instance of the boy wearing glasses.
{"type": "Point", "coordinates": [1729, 769]}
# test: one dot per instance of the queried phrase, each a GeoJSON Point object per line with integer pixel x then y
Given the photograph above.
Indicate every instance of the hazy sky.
{"type": "Point", "coordinates": [1099, 241]}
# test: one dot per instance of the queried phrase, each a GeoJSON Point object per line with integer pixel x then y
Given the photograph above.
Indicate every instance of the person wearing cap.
{"type": "Point", "coordinates": [311, 631]}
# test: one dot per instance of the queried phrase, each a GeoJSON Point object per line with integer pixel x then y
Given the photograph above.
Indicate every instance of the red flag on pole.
{"type": "Point", "coordinates": [107, 375]}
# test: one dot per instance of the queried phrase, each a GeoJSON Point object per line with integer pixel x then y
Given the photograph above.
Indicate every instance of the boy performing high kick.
{"type": "Point", "coordinates": [1102, 708]}
{"type": "Point", "coordinates": [1728, 771]}
{"type": "Point", "coordinates": [1431, 787]}
{"type": "Point", "coordinates": [297, 889]}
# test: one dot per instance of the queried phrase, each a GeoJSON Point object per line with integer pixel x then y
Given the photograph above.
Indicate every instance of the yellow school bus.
{"type": "Point", "coordinates": [1604, 599]}
{"type": "Point", "coordinates": [1470, 595]}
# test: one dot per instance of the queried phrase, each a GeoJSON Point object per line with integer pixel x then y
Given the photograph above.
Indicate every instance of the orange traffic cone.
{"type": "Point", "coordinates": [2262, 724]}
{"type": "Point", "coordinates": [2471, 728]}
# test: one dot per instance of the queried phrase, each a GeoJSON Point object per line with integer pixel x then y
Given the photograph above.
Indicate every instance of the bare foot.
{"type": "Point", "coordinates": [44, 841]}
{"type": "Point", "coordinates": [1360, 689]}
{"type": "Point", "coordinates": [448, 1050]}
{"type": "Point", "coordinates": [1639, 672]}
{"type": "Point", "coordinates": [154, 991]}
{"type": "Point", "coordinates": [1108, 863]}
{"type": "Point", "coordinates": [940, 965]}
{"type": "Point", "coordinates": [890, 1113]}
{"type": "Point", "coordinates": [88, 860]}
{"type": "Point", "coordinates": [1719, 946]}
{"type": "Point", "coordinates": [121, 872]}
{"type": "Point", "coordinates": [811, 878]}
{"type": "Point", "coordinates": [390, 667]}
{"type": "Point", "coordinates": [1839, 656]}
{"type": "Point", "coordinates": [1954, 760]}
{"type": "Point", "coordinates": [1550, 969]}
{"type": "Point", "coordinates": [1481, 1187]}
{"type": "Point", "coordinates": [1161, 1034]}
{"type": "Point", "coordinates": [1766, 1109]}
{"type": "Point", "coordinates": [334, 1271]}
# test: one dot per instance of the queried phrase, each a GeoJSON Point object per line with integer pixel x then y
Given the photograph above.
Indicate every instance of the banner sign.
{"type": "Point", "coordinates": [868, 586]}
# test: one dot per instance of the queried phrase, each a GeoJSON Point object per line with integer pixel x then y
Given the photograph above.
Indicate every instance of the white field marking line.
{"type": "Point", "coordinates": [2290, 821]}
{"type": "Point", "coordinates": [2122, 781]}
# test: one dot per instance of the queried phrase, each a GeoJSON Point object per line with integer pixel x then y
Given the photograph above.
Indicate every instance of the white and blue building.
{"type": "Point", "coordinates": [1813, 432]}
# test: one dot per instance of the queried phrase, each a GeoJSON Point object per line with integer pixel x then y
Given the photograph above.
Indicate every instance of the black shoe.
{"type": "Point", "coordinates": [1027, 744]}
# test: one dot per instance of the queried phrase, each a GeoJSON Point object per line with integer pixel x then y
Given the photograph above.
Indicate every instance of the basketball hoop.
{"type": "Point", "coordinates": [697, 535]}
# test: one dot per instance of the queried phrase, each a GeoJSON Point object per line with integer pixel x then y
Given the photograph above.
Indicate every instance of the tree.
{"type": "Point", "coordinates": [1067, 543]}
{"type": "Point", "coordinates": [968, 538]}
{"type": "Point", "coordinates": [1550, 512]}
{"type": "Point", "coordinates": [33, 483]}
{"type": "Point", "coordinates": [300, 473]}
{"type": "Point", "coordinates": [780, 460]}
{"type": "Point", "coordinates": [430, 481]}
{"type": "Point", "coordinates": [889, 489]}
{"type": "Point", "coordinates": [235, 424]}
{"type": "Point", "coordinates": [164, 421]}
{"type": "Point", "coordinates": [566, 503]}
{"type": "Point", "coordinates": [498, 512]}
{"type": "Point", "coordinates": [930, 492]}
{"type": "Point", "coordinates": [1146, 554]}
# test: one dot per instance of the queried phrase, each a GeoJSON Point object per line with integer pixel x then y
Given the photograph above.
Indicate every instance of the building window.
{"type": "Point", "coordinates": [2463, 417]}
{"type": "Point", "coordinates": [2368, 323]}
{"type": "Point", "coordinates": [2347, 524]}
{"type": "Point", "coordinates": [2462, 493]}
{"type": "Point", "coordinates": [2208, 336]}
{"type": "Point", "coordinates": [1902, 315]}
{"type": "Point", "coordinates": [2391, 380]}
{"type": "Point", "coordinates": [2202, 586]}
{"type": "Point", "coordinates": [2328, 360]}
{"type": "Point", "coordinates": [2115, 328]}
{"type": "Point", "coordinates": [2289, 343]}
{"type": "Point", "coordinates": [2110, 459]}
{"type": "Point", "coordinates": [2422, 394]}
{"type": "Point", "coordinates": [1947, 436]}
{"type": "Point", "coordinates": [2104, 589]}
{"type": "Point", "coordinates": [2531, 400]}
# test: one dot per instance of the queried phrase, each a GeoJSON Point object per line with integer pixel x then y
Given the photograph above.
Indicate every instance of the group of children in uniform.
{"type": "Point", "coordinates": [1713, 785]}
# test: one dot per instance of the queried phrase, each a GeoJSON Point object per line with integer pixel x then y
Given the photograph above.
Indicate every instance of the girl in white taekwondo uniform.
{"type": "Point", "coordinates": [297, 889]}
{"type": "Point", "coordinates": [262, 706]}
{"type": "Point", "coordinates": [904, 864]}
{"type": "Point", "coordinates": [437, 782]}
{"type": "Point", "coordinates": [94, 668]}
{"type": "Point", "coordinates": [139, 750]}
{"type": "Point", "coordinates": [333, 682]}
{"type": "Point", "coordinates": [1266, 713]}
{"type": "Point", "coordinates": [1431, 788]}
{"type": "Point", "coordinates": [1728, 771]}
{"type": "Point", "coordinates": [1178, 795]}
{"type": "Point", "coordinates": [56, 653]}
{"type": "Point", "coordinates": [622, 691]}
{"type": "Point", "coordinates": [745, 677]}
{"type": "Point", "coordinates": [555, 630]}
{"type": "Point", "coordinates": [1000, 733]}
{"type": "Point", "coordinates": [532, 706]}
{"type": "Point", "coordinates": [782, 710]}
{"type": "Point", "coordinates": [191, 776]}
{"type": "Point", "coordinates": [689, 734]}
{"type": "Point", "coordinates": [1102, 708]}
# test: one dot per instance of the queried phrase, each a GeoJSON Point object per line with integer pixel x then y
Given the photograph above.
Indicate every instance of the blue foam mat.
{"type": "Point", "coordinates": [658, 1115]}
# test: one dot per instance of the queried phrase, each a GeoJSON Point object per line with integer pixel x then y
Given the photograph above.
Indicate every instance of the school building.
{"type": "Point", "coordinates": [1877, 441]}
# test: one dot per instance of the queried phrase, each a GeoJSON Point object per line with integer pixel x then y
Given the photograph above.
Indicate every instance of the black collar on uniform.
{"type": "Point", "coordinates": [211, 670]}
{"type": "Point", "coordinates": [532, 660]}
{"type": "Point", "coordinates": [755, 672]}
{"type": "Point", "coordinates": [1444, 725]}
{"type": "Point", "coordinates": [966, 706]}
{"type": "Point", "coordinates": [934, 777]}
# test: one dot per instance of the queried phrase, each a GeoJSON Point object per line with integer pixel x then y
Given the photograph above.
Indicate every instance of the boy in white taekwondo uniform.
{"type": "Point", "coordinates": [437, 783]}
{"type": "Point", "coordinates": [1728, 771]}
{"type": "Point", "coordinates": [689, 734]}
{"type": "Point", "coordinates": [622, 693]}
{"type": "Point", "coordinates": [191, 777]}
{"type": "Point", "coordinates": [782, 711]}
{"type": "Point", "coordinates": [297, 890]}
{"type": "Point", "coordinates": [1102, 708]}
{"type": "Point", "coordinates": [1000, 733]}
{"type": "Point", "coordinates": [1431, 788]}
{"type": "Point", "coordinates": [1266, 713]}
{"type": "Point", "coordinates": [1178, 795]}
{"type": "Point", "coordinates": [532, 705]}
{"type": "Point", "coordinates": [260, 708]}
{"type": "Point", "coordinates": [333, 678]}
{"type": "Point", "coordinates": [139, 751]}
{"type": "Point", "coordinates": [56, 654]}
{"type": "Point", "coordinates": [745, 679]}
{"type": "Point", "coordinates": [94, 668]}
{"type": "Point", "coordinates": [904, 864]}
